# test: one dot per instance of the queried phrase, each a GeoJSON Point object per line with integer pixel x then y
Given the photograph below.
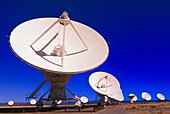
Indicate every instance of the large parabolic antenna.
{"type": "Point", "coordinates": [59, 47]}
{"type": "Point", "coordinates": [106, 84]}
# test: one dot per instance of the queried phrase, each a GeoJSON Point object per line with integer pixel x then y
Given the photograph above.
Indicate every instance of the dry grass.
{"type": "Point", "coordinates": [163, 105]}
{"type": "Point", "coordinates": [148, 108]}
{"type": "Point", "coordinates": [110, 107]}
{"type": "Point", "coordinates": [150, 112]}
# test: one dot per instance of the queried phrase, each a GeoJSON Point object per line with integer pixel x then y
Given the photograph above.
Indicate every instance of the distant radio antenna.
{"type": "Point", "coordinates": [132, 97]}
{"type": "Point", "coordinates": [33, 102]}
{"type": "Point", "coordinates": [161, 97]}
{"type": "Point", "coordinates": [84, 99]}
{"type": "Point", "coordinates": [58, 102]}
{"type": "Point", "coordinates": [146, 96]}
{"type": "Point", "coordinates": [106, 85]}
{"type": "Point", "coordinates": [11, 102]}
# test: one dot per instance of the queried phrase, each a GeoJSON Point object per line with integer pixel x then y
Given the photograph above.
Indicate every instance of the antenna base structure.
{"type": "Point", "coordinates": [57, 90]}
{"type": "Point", "coordinates": [131, 99]}
{"type": "Point", "coordinates": [102, 99]}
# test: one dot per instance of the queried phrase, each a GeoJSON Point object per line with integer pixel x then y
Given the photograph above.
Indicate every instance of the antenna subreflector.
{"type": "Point", "coordinates": [64, 19]}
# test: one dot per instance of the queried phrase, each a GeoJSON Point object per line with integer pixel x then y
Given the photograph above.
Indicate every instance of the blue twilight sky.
{"type": "Point", "coordinates": [137, 32]}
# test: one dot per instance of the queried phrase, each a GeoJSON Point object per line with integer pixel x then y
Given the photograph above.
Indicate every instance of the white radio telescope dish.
{"type": "Point", "coordinates": [146, 96]}
{"type": "Point", "coordinates": [104, 83]}
{"type": "Point", "coordinates": [59, 47]}
{"type": "Point", "coordinates": [33, 101]}
{"type": "Point", "coordinates": [161, 96]}
{"type": "Point", "coordinates": [84, 99]}
{"type": "Point", "coordinates": [47, 45]}
{"type": "Point", "coordinates": [10, 103]}
{"type": "Point", "coordinates": [118, 96]}
{"type": "Point", "coordinates": [132, 97]}
{"type": "Point", "coordinates": [58, 102]}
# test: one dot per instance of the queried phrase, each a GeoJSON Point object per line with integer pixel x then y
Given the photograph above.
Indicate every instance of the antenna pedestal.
{"type": "Point", "coordinates": [102, 99]}
{"type": "Point", "coordinates": [131, 99]}
{"type": "Point", "coordinates": [57, 89]}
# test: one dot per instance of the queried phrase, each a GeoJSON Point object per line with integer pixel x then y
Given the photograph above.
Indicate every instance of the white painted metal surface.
{"type": "Point", "coordinates": [33, 101]}
{"type": "Point", "coordinates": [104, 83]}
{"type": "Point", "coordinates": [10, 103]}
{"type": "Point", "coordinates": [118, 95]}
{"type": "Point", "coordinates": [146, 96]}
{"type": "Point", "coordinates": [77, 55]}
{"type": "Point", "coordinates": [161, 96]}
{"type": "Point", "coordinates": [134, 97]}
{"type": "Point", "coordinates": [84, 99]}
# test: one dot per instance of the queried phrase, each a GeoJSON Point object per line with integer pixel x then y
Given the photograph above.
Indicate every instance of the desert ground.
{"type": "Point", "coordinates": [122, 108]}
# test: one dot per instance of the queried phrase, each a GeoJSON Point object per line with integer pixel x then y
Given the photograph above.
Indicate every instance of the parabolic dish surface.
{"type": "Point", "coordinates": [104, 83]}
{"type": "Point", "coordinates": [24, 34]}
{"type": "Point", "coordinates": [84, 99]}
{"type": "Point", "coordinates": [161, 96]}
{"type": "Point", "coordinates": [117, 96]}
{"type": "Point", "coordinates": [146, 96]}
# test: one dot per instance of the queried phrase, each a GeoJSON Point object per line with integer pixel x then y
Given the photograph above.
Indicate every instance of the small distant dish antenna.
{"type": "Point", "coordinates": [146, 96]}
{"type": "Point", "coordinates": [118, 96]}
{"type": "Point", "coordinates": [106, 84]}
{"type": "Point", "coordinates": [132, 97]}
{"type": "Point", "coordinates": [10, 103]}
{"type": "Point", "coordinates": [33, 101]}
{"type": "Point", "coordinates": [59, 48]}
{"type": "Point", "coordinates": [84, 99]}
{"type": "Point", "coordinates": [160, 96]}
{"type": "Point", "coordinates": [58, 102]}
